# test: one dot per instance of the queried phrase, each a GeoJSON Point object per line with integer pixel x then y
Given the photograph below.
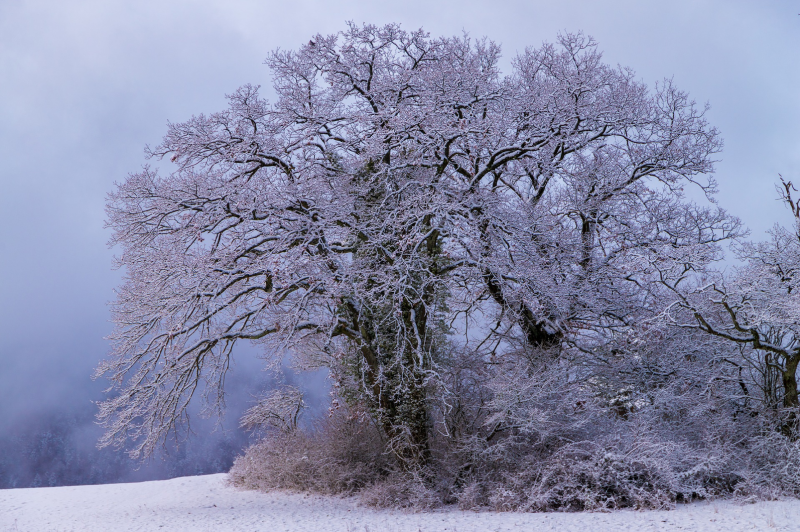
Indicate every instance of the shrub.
{"type": "Point", "coordinates": [340, 455]}
{"type": "Point", "coordinates": [641, 432]}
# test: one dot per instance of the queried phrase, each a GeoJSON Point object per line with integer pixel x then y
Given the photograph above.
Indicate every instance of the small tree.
{"type": "Point", "coordinates": [399, 191]}
{"type": "Point", "coordinates": [757, 308]}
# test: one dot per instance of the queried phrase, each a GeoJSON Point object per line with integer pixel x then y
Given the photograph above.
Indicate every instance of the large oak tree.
{"type": "Point", "coordinates": [401, 196]}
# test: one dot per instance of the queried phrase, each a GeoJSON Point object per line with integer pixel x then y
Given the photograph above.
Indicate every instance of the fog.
{"type": "Point", "coordinates": [85, 85]}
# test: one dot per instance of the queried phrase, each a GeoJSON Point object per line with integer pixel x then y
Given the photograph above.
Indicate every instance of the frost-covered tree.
{"type": "Point", "coordinates": [402, 196]}
{"type": "Point", "coordinates": [757, 308]}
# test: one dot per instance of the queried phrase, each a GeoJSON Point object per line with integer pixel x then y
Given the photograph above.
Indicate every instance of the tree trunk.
{"type": "Point", "coordinates": [405, 422]}
{"type": "Point", "coordinates": [397, 391]}
{"type": "Point", "coordinates": [791, 402]}
{"type": "Point", "coordinates": [790, 397]}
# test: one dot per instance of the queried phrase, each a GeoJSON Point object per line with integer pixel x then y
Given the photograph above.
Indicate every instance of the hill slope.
{"type": "Point", "coordinates": [207, 503]}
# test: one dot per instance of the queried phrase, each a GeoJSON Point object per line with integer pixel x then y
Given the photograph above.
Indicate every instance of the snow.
{"type": "Point", "coordinates": [208, 503]}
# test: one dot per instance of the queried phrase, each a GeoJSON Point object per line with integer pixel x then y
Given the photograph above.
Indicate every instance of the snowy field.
{"type": "Point", "coordinates": [207, 503]}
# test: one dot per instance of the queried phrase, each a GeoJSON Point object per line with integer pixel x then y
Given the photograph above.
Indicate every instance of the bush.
{"type": "Point", "coordinates": [640, 432]}
{"type": "Point", "coordinates": [340, 455]}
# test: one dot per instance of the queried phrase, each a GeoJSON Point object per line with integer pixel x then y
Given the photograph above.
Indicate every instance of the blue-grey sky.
{"type": "Point", "coordinates": [84, 85]}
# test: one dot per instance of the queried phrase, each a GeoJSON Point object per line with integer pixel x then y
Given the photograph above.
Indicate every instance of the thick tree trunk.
{"type": "Point", "coordinates": [405, 422]}
{"type": "Point", "coordinates": [397, 391]}
{"type": "Point", "coordinates": [791, 402]}
{"type": "Point", "coordinates": [790, 396]}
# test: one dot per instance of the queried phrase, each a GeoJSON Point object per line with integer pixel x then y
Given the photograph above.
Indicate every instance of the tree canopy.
{"type": "Point", "coordinates": [400, 202]}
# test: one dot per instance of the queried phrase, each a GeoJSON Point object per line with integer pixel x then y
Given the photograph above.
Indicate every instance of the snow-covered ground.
{"type": "Point", "coordinates": [208, 503]}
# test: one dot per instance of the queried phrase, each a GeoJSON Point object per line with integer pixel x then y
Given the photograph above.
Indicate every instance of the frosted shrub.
{"type": "Point", "coordinates": [661, 425]}
{"type": "Point", "coordinates": [340, 455]}
{"type": "Point", "coordinates": [401, 490]}
{"type": "Point", "coordinates": [590, 477]}
{"type": "Point", "coordinates": [645, 432]}
{"type": "Point", "coordinates": [770, 467]}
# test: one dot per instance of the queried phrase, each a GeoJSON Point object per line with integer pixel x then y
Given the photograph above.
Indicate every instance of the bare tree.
{"type": "Point", "coordinates": [399, 191]}
{"type": "Point", "coordinates": [756, 307]}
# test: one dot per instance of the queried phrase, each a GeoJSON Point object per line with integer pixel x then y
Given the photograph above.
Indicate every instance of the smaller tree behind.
{"type": "Point", "coordinates": [757, 308]}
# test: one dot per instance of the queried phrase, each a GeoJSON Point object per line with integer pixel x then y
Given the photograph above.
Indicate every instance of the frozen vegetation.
{"type": "Point", "coordinates": [518, 305]}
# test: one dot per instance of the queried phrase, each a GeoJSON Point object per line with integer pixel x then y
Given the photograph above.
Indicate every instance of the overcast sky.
{"type": "Point", "coordinates": [84, 85]}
